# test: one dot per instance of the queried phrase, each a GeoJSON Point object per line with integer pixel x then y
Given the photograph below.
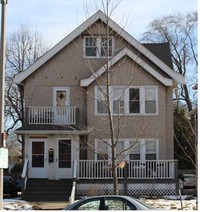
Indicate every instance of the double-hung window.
{"type": "Point", "coordinates": [150, 100]}
{"type": "Point", "coordinates": [106, 47]}
{"type": "Point", "coordinates": [142, 100]}
{"type": "Point", "coordinates": [101, 102]}
{"type": "Point", "coordinates": [151, 150]}
{"type": "Point", "coordinates": [98, 46]}
{"type": "Point", "coordinates": [102, 150]}
{"type": "Point", "coordinates": [134, 100]}
{"type": "Point", "coordinates": [144, 149]}
{"type": "Point", "coordinates": [90, 46]}
{"type": "Point", "coordinates": [127, 101]}
{"type": "Point", "coordinates": [134, 150]}
{"type": "Point", "coordinates": [117, 100]}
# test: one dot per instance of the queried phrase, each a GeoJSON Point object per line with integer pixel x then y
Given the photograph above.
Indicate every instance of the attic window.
{"type": "Point", "coordinates": [97, 47]}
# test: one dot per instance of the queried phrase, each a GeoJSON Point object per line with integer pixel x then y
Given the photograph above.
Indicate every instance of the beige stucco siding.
{"type": "Point", "coordinates": [134, 126]}
{"type": "Point", "coordinates": [69, 66]}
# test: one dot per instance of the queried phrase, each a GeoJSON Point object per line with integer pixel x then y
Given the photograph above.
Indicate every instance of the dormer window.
{"type": "Point", "coordinates": [97, 47]}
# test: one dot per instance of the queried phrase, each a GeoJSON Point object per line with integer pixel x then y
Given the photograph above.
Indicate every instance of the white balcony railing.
{"type": "Point", "coordinates": [136, 169]}
{"type": "Point", "coordinates": [52, 115]}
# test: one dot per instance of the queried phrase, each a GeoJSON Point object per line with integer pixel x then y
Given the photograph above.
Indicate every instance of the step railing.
{"type": "Point", "coordinates": [24, 175]}
{"type": "Point", "coordinates": [74, 175]}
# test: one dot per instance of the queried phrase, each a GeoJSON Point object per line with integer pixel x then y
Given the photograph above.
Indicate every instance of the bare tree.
{"type": "Point", "coordinates": [110, 99]}
{"type": "Point", "coordinates": [181, 33]}
{"type": "Point", "coordinates": [24, 47]}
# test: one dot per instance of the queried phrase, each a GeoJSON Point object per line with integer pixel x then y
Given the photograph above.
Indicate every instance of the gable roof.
{"type": "Point", "coordinates": [19, 78]}
{"type": "Point", "coordinates": [138, 60]}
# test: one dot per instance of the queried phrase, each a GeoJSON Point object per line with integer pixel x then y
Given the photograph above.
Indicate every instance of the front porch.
{"type": "Point", "coordinates": [136, 178]}
{"type": "Point", "coordinates": [133, 169]}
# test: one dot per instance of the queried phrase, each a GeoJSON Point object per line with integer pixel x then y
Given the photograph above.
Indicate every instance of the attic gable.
{"type": "Point", "coordinates": [99, 15]}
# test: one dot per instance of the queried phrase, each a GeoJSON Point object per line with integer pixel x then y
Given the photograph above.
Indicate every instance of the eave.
{"type": "Point", "coordinates": [126, 52]}
{"type": "Point", "coordinates": [19, 78]}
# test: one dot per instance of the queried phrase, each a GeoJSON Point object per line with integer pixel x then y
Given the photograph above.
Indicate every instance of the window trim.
{"type": "Point", "coordinates": [126, 101]}
{"type": "Point", "coordinates": [142, 142]}
{"type": "Point", "coordinates": [98, 46]}
{"type": "Point", "coordinates": [126, 141]}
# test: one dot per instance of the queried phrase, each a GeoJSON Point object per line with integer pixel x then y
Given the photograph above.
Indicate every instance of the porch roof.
{"type": "Point", "coordinates": [52, 129]}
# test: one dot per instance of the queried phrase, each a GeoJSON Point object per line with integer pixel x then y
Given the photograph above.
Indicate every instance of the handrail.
{"type": "Point", "coordinates": [24, 175]}
{"type": "Point", "coordinates": [25, 168]}
{"type": "Point", "coordinates": [74, 175]}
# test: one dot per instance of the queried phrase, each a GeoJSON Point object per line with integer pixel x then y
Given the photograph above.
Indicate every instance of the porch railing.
{"type": "Point", "coordinates": [52, 115]}
{"type": "Point", "coordinates": [136, 169]}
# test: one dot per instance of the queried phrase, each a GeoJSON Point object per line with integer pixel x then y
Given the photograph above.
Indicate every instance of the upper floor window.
{"type": "Point", "coordinates": [90, 47]}
{"type": "Point", "coordinates": [96, 47]}
{"type": "Point", "coordinates": [127, 100]}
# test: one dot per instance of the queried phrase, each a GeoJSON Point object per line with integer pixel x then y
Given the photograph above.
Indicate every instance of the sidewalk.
{"type": "Point", "coordinates": [50, 205]}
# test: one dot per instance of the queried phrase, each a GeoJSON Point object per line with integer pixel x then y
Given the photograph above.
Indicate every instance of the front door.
{"type": "Point", "coordinates": [64, 160]}
{"type": "Point", "coordinates": [61, 104]}
{"type": "Point", "coordinates": [38, 159]}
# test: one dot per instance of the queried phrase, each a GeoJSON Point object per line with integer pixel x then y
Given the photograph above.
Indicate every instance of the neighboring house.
{"type": "Point", "coordinates": [64, 104]}
{"type": "Point", "coordinates": [14, 156]}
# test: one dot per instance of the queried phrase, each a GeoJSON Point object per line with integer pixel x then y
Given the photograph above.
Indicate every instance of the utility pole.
{"type": "Point", "coordinates": [2, 87]}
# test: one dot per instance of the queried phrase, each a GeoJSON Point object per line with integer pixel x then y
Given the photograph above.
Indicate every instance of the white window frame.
{"type": "Point", "coordinates": [98, 46]}
{"type": "Point", "coordinates": [126, 141]}
{"type": "Point", "coordinates": [126, 100]}
{"type": "Point", "coordinates": [142, 142]}
{"type": "Point", "coordinates": [108, 149]}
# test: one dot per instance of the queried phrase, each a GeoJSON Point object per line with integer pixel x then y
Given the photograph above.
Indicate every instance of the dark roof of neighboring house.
{"type": "Point", "coordinates": [161, 50]}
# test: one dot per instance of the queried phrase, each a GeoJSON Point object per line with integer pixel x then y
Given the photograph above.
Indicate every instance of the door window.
{"type": "Point", "coordinates": [64, 154]}
{"type": "Point", "coordinates": [38, 154]}
{"type": "Point", "coordinates": [61, 97]}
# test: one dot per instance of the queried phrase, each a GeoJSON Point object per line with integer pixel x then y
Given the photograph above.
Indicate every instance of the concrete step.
{"type": "Point", "coordinates": [47, 190]}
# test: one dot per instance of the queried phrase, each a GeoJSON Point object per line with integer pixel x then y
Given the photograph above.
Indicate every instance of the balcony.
{"type": "Point", "coordinates": [52, 115]}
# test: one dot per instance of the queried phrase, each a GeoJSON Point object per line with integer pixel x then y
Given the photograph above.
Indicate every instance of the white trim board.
{"type": "Point", "coordinates": [126, 52]}
{"type": "Point", "coordinates": [19, 78]}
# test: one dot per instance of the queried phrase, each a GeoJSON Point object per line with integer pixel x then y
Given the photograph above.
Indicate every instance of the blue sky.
{"type": "Point", "coordinates": [54, 19]}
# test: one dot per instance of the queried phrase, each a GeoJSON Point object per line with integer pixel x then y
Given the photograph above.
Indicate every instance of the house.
{"type": "Point", "coordinates": [14, 156]}
{"type": "Point", "coordinates": [65, 137]}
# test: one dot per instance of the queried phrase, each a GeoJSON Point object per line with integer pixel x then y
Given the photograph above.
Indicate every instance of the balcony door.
{"type": "Point", "coordinates": [61, 103]}
{"type": "Point", "coordinates": [64, 160]}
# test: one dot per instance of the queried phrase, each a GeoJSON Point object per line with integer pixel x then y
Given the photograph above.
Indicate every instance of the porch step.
{"type": "Point", "coordinates": [47, 190]}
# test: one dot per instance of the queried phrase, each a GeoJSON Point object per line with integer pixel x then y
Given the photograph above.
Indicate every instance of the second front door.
{"type": "Point", "coordinates": [64, 158]}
